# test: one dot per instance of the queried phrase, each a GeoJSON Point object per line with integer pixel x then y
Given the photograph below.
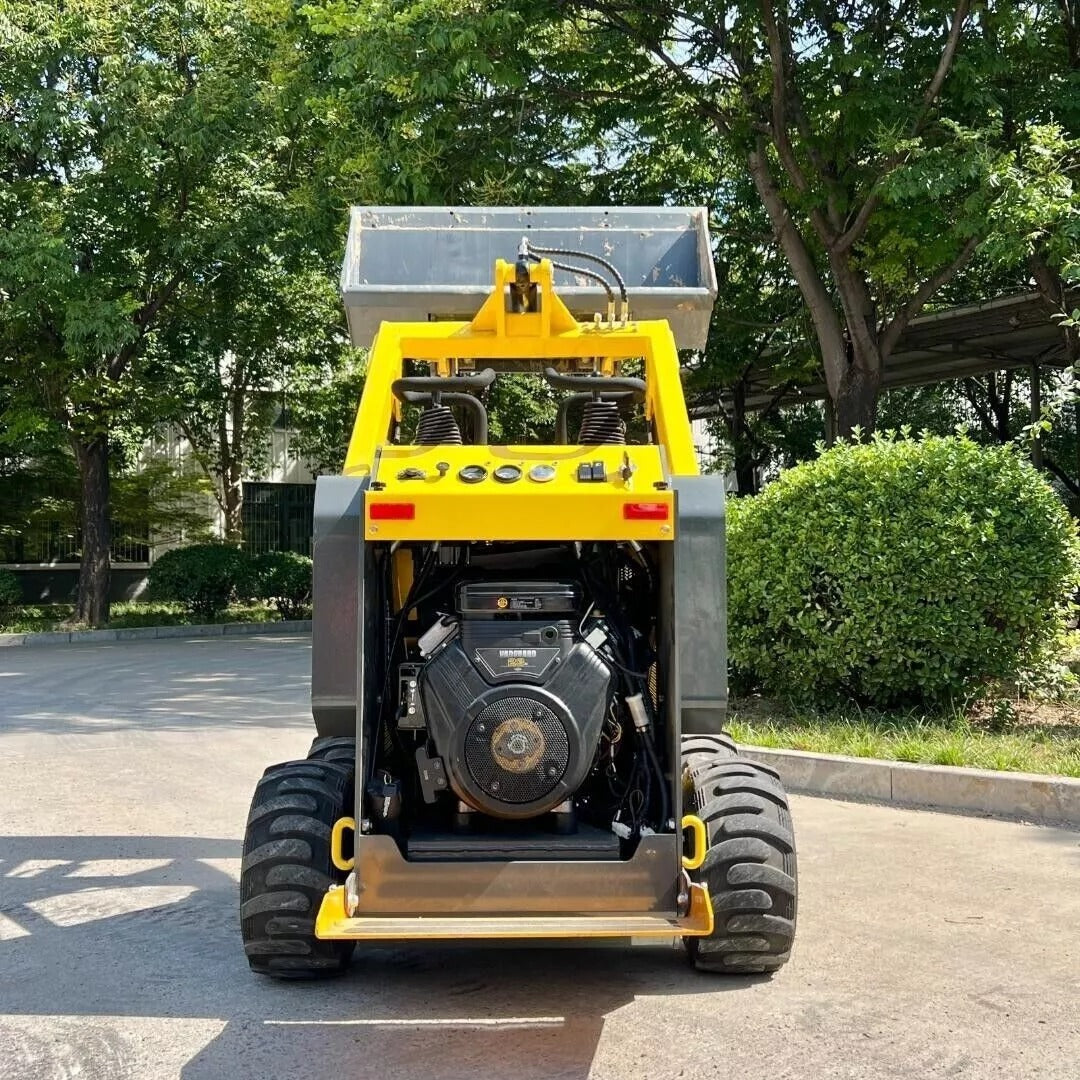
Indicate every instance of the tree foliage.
{"type": "Point", "coordinates": [321, 409]}
{"type": "Point", "coordinates": [134, 168]}
{"type": "Point", "coordinates": [10, 594]}
{"type": "Point", "coordinates": [233, 359]}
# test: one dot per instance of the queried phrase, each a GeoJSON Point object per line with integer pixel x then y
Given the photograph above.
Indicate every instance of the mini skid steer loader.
{"type": "Point", "coordinates": [519, 657]}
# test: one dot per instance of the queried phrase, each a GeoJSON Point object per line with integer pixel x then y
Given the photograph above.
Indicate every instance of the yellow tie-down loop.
{"type": "Point", "coordinates": [337, 850]}
{"type": "Point", "coordinates": [701, 841]}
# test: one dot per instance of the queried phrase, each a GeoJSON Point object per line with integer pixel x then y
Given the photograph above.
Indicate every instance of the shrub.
{"type": "Point", "coordinates": [10, 594]}
{"type": "Point", "coordinates": [205, 578]}
{"type": "Point", "coordinates": [284, 578]}
{"type": "Point", "coordinates": [898, 571]}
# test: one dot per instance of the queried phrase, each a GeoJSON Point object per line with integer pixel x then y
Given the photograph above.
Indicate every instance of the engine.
{"type": "Point", "coordinates": [513, 697]}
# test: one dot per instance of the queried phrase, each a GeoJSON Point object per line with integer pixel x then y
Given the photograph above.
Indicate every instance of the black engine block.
{"type": "Point", "coordinates": [516, 701]}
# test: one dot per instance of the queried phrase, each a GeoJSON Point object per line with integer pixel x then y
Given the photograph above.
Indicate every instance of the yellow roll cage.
{"type": "Point", "coordinates": [549, 333]}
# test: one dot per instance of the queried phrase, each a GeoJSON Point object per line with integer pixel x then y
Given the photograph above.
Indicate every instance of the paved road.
{"type": "Point", "coordinates": [929, 945]}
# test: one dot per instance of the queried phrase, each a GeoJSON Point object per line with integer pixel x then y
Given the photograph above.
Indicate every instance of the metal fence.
{"type": "Point", "coordinates": [278, 517]}
{"type": "Point", "coordinates": [52, 542]}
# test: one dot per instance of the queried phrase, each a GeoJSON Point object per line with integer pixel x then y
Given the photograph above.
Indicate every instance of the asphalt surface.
{"type": "Point", "coordinates": [928, 945]}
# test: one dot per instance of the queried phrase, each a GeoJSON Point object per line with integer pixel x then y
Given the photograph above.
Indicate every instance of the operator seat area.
{"type": "Point", "coordinates": [600, 397]}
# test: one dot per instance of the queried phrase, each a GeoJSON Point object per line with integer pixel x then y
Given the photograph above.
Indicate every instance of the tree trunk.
{"type": "Point", "coordinates": [1051, 287]}
{"type": "Point", "coordinates": [738, 431]}
{"type": "Point", "coordinates": [92, 456]}
{"type": "Point", "coordinates": [855, 401]}
{"type": "Point", "coordinates": [1036, 416]}
{"type": "Point", "coordinates": [745, 469]}
{"type": "Point", "coordinates": [233, 503]}
{"type": "Point", "coordinates": [231, 439]}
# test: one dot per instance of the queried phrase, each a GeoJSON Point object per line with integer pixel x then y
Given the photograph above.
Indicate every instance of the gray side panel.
{"type": "Point", "coordinates": [337, 599]}
{"type": "Point", "coordinates": [699, 589]}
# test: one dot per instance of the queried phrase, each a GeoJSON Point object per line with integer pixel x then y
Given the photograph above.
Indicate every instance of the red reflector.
{"type": "Point", "coordinates": [392, 511]}
{"type": "Point", "coordinates": [645, 511]}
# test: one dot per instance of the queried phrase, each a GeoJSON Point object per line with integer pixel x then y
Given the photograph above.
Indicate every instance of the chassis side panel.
{"type": "Point", "coordinates": [340, 604]}
{"type": "Point", "coordinates": [694, 567]}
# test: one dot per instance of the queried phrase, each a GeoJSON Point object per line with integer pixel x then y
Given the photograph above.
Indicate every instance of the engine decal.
{"type": "Point", "coordinates": [500, 663]}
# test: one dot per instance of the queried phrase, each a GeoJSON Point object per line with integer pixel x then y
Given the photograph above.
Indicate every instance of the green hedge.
{"type": "Point", "coordinates": [284, 578]}
{"type": "Point", "coordinates": [898, 572]}
{"type": "Point", "coordinates": [10, 594]}
{"type": "Point", "coordinates": [205, 578]}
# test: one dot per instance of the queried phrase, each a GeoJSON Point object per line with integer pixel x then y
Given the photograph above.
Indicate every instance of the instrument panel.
{"type": "Point", "coordinates": [480, 493]}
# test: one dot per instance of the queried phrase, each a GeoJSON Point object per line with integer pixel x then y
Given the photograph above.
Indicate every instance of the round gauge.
{"type": "Point", "coordinates": [472, 474]}
{"type": "Point", "coordinates": [542, 473]}
{"type": "Point", "coordinates": [507, 474]}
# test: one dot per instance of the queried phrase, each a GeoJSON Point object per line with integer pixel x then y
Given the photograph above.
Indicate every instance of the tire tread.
{"type": "Point", "coordinates": [286, 868]}
{"type": "Point", "coordinates": [750, 867]}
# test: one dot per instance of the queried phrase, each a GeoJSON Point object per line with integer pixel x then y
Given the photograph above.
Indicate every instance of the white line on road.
{"type": "Point", "coordinates": [465, 1021]}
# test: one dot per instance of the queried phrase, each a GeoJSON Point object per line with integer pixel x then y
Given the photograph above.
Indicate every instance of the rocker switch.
{"type": "Point", "coordinates": [591, 472]}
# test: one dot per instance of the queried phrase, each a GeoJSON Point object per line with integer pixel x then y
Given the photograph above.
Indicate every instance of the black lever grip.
{"type": "Point", "coordinates": [429, 384]}
{"type": "Point", "coordinates": [602, 387]}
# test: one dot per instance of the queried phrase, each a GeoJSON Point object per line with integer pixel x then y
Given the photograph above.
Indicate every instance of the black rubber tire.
{"type": "Point", "coordinates": [339, 748]}
{"type": "Point", "coordinates": [750, 867]}
{"type": "Point", "coordinates": [286, 869]}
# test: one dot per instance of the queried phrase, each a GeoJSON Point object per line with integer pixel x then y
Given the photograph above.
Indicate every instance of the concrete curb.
{"type": "Point", "coordinates": [1048, 800]}
{"type": "Point", "coordinates": [148, 633]}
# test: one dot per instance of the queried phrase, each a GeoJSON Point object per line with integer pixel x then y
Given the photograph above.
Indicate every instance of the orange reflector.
{"type": "Point", "coordinates": [645, 511]}
{"type": "Point", "coordinates": [392, 511]}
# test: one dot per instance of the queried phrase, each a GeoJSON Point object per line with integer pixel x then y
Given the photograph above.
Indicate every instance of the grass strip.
{"type": "Point", "coordinates": [1047, 743]}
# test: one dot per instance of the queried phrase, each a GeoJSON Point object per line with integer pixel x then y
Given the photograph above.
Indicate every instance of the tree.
{"type": "Point", "coordinates": [130, 145]}
{"type": "Point", "coordinates": [236, 356]}
{"type": "Point", "coordinates": [441, 101]}
{"type": "Point", "coordinates": [871, 134]}
{"type": "Point", "coordinates": [759, 324]}
{"type": "Point", "coordinates": [1040, 126]}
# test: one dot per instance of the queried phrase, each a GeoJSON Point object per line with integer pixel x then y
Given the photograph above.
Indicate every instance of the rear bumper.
{"type": "Point", "coordinates": [333, 923]}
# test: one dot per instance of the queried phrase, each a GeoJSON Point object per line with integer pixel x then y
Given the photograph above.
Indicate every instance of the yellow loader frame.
{"type": "Point", "coordinates": [414, 493]}
{"type": "Point", "coordinates": [445, 508]}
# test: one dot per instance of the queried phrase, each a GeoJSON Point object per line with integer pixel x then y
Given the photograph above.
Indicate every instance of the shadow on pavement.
{"type": "Point", "coordinates": [148, 927]}
{"type": "Point", "coordinates": [1067, 836]}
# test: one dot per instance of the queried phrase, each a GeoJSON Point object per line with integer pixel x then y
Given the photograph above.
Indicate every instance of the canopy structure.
{"type": "Point", "coordinates": [1010, 332]}
{"type": "Point", "coordinates": [410, 264]}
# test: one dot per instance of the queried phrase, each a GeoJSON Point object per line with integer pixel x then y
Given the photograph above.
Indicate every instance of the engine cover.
{"type": "Point", "coordinates": [516, 702]}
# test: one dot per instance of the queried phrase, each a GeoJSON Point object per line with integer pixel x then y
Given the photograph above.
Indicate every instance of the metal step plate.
{"type": "Point", "coordinates": [333, 923]}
